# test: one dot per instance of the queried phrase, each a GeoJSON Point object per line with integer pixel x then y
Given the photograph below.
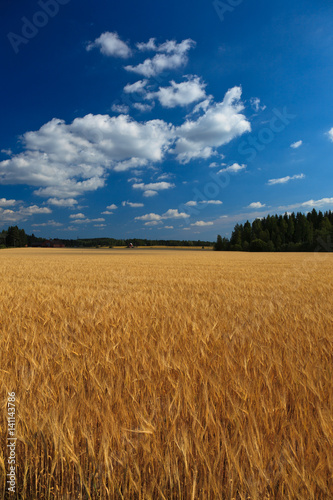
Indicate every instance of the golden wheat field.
{"type": "Point", "coordinates": [166, 374]}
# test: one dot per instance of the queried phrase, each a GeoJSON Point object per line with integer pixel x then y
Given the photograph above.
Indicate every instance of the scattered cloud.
{"type": "Point", "coordinates": [34, 209]}
{"type": "Point", "coordinates": [9, 215]}
{"type": "Point", "coordinates": [149, 217]}
{"type": "Point", "coordinates": [134, 179]}
{"type": "Point", "coordinates": [164, 176]}
{"type": "Point", "coordinates": [137, 87]}
{"type": "Point", "coordinates": [191, 204]}
{"type": "Point", "coordinates": [255, 104]}
{"type": "Point", "coordinates": [52, 223]}
{"type": "Point", "coordinates": [174, 214]}
{"type": "Point", "coordinates": [111, 45]}
{"type": "Point", "coordinates": [77, 216]}
{"type": "Point", "coordinates": [284, 180]}
{"type": "Point", "coordinates": [120, 108]}
{"type": "Point", "coordinates": [153, 188]}
{"type": "Point", "coordinates": [107, 213]}
{"type": "Point", "coordinates": [212, 202]}
{"type": "Point", "coordinates": [145, 46]}
{"type": "Point", "coordinates": [168, 227]}
{"type": "Point", "coordinates": [112, 207]}
{"type": "Point", "coordinates": [86, 221]}
{"type": "Point", "coordinates": [330, 134]}
{"type": "Point", "coordinates": [7, 203]}
{"type": "Point", "coordinates": [296, 145]}
{"type": "Point", "coordinates": [149, 193]}
{"type": "Point", "coordinates": [180, 94]}
{"type": "Point", "coordinates": [132, 205]}
{"type": "Point", "coordinates": [144, 108]}
{"type": "Point", "coordinates": [323, 202]}
{"type": "Point", "coordinates": [233, 169]}
{"type": "Point", "coordinates": [7, 152]}
{"type": "Point", "coordinates": [256, 204]}
{"type": "Point", "coordinates": [202, 223]}
{"type": "Point", "coordinates": [170, 55]}
{"type": "Point", "coordinates": [202, 154]}
{"type": "Point", "coordinates": [69, 202]}
{"type": "Point", "coordinates": [169, 214]}
{"type": "Point", "coordinates": [153, 223]}
{"type": "Point", "coordinates": [129, 164]}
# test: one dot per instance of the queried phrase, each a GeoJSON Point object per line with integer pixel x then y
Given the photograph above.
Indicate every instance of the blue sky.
{"type": "Point", "coordinates": [162, 120]}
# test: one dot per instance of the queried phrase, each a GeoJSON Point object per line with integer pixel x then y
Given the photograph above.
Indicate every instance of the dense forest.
{"type": "Point", "coordinates": [282, 233]}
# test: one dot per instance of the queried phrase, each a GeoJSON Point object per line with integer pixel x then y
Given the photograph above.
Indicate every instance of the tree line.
{"type": "Point", "coordinates": [15, 237]}
{"type": "Point", "coordinates": [282, 233]}
{"type": "Point", "coordinates": [136, 242]}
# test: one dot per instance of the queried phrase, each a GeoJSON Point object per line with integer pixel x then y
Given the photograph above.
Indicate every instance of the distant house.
{"type": "Point", "coordinates": [50, 244]}
{"type": "Point", "coordinates": [46, 244]}
{"type": "Point", "coordinates": [57, 244]}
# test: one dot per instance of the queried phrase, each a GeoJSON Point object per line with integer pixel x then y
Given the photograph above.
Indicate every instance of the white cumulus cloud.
{"type": "Point", "coordinates": [323, 202]}
{"type": "Point", "coordinates": [202, 223]}
{"type": "Point", "coordinates": [111, 45]}
{"type": "Point", "coordinates": [330, 134]}
{"type": "Point", "coordinates": [69, 202]}
{"type": "Point", "coordinates": [7, 203]}
{"type": "Point", "coordinates": [65, 161]}
{"type": "Point", "coordinates": [255, 103]}
{"type": "Point", "coordinates": [256, 204]}
{"type": "Point", "coordinates": [120, 108]}
{"type": "Point", "coordinates": [149, 217]}
{"type": "Point", "coordinates": [77, 216]}
{"type": "Point", "coordinates": [137, 87]}
{"type": "Point", "coordinates": [284, 180]}
{"type": "Point", "coordinates": [180, 94]}
{"type": "Point", "coordinates": [221, 123]}
{"type": "Point", "coordinates": [296, 145]}
{"type": "Point", "coordinates": [174, 214]}
{"type": "Point", "coordinates": [34, 209]}
{"type": "Point", "coordinates": [170, 55]}
{"type": "Point", "coordinates": [169, 214]}
{"type": "Point", "coordinates": [233, 169]}
{"type": "Point", "coordinates": [153, 223]}
{"type": "Point", "coordinates": [152, 188]}
{"type": "Point", "coordinates": [212, 202]}
{"type": "Point", "coordinates": [52, 223]}
{"type": "Point", "coordinates": [9, 215]}
{"type": "Point", "coordinates": [132, 205]}
{"type": "Point", "coordinates": [149, 193]}
{"type": "Point", "coordinates": [144, 108]}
